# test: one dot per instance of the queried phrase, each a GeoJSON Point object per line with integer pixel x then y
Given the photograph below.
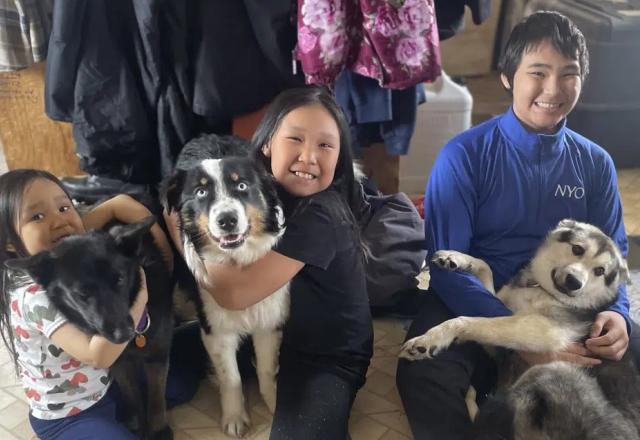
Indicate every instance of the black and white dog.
{"type": "Point", "coordinates": [229, 212]}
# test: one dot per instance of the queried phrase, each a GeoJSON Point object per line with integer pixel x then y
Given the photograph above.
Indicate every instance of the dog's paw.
{"type": "Point", "coordinates": [432, 342]}
{"type": "Point", "coordinates": [236, 425]}
{"type": "Point", "coordinates": [164, 434]}
{"type": "Point", "coordinates": [452, 260]}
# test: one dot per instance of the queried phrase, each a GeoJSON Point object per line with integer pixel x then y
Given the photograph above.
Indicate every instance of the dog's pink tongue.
{"type": "Point", "coordinates": [230, 238]}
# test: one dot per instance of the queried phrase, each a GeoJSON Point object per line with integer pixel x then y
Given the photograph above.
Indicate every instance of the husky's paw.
{"type": "Point", "coordinates": [433, 341]}
{"type": "Point", "coordinates": [452, 260]}
{"type": "Point", "coordinates": [236, 425]}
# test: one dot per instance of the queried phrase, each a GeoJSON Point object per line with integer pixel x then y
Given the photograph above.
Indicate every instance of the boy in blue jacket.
{"type": "Point", "coordinates": [494, 193]}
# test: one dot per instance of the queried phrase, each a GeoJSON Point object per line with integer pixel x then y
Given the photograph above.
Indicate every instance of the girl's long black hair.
{"type": "Point", "coordinates": [344, 181]}
{"type": "Point", "coordinates": [12, 187]}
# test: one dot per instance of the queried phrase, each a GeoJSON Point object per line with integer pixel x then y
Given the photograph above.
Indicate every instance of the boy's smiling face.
{"type": "Point", "coordinates": [546, 87]}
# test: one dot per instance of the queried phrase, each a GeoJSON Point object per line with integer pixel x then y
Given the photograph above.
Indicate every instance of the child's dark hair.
{"type": "Point", "coordinates": [12, 187]}
{"type": "Point", "coordinates": [541, 26]}
{"type": "Point", "coordinates": [344, 180]}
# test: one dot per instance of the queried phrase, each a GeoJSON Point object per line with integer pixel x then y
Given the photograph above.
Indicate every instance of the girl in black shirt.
{"type": "Point", "coordinates": [328, 339]}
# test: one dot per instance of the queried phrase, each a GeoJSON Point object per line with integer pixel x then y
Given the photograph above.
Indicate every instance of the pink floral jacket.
{"type": "Point", "coordinates": [393, 41]}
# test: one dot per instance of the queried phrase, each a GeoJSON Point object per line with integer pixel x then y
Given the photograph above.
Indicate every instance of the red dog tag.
{"type": "Point", "coordinates": [141, 341]}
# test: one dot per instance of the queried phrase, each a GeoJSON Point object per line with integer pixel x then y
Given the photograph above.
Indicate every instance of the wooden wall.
{"type": "Point", "coordinates": [29, 138]}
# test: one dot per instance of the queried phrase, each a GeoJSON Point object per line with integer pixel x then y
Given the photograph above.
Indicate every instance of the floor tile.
{"type": "Point", "coordinates": [7, 435]}
{"type": "Point", "coordinates": [186, 417]}
{"type": "Point", "coordinates": [395, 420]}
{"type": "Point", "coordinates": [13, 415]}
{"type": "Point", "coordinates": [23, 430]}
{"type": "Point", "coordinates": [369, 403]}
{"type": "Point", "coordinates": [394, 435]}
{"type": "Point", "coordinates": [6, 399]}
{"type": "Point", "coordinates": [365, 428]}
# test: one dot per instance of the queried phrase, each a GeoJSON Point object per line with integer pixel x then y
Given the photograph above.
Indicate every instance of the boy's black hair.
{"type": "Point", "coordinates": [344, 180]}
{"type": "Point", "coordinates": [541, 26]}
{"type": "Point", "coordinates": [12, 187]}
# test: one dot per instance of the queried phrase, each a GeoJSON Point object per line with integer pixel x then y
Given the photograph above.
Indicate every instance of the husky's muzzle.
{"type": "Point", "coordinates": [567, 282]}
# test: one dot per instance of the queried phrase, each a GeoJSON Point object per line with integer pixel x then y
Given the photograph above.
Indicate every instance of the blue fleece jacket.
{"type": "Point", "coordinates": [497, 189]}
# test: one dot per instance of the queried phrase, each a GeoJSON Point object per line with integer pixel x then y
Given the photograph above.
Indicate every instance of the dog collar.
{"type": "Point", "coordinates": [144, 323]}
{"type": "Point", "coordinates": [141, 328]}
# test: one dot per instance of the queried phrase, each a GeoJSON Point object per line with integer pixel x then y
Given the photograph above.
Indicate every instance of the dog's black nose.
{"type": "Point", "coordinates": [227, 221]}
{"type": "Point", "coordinates": [572, 283]}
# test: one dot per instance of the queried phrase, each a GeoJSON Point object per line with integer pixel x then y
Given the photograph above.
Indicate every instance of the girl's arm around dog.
{"type": "Point", "coordinates": [237, 287]}
{"type": "Point", "coordinates": [125, 209]}
{"type": "Point", "coordinates": [96, 350]}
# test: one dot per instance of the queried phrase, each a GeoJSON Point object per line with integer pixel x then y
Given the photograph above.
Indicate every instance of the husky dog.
{"type": "Point", "coordinates": [229, 212]}
{"type": "Point", "coordinates": [573, 276]}
{"type": "Point", "coordinates": [562, 401]}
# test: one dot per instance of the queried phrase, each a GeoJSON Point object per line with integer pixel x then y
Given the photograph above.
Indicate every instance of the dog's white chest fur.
{"type": "Point", "coordinates": [269, 313]}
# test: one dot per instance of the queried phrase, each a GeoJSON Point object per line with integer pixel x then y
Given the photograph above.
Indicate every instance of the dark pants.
{"type": "Point", "coordinates": [433, 391]}
{"type": "Point", "coordinates": [313, 401]}
{"type": "Point", "coordinates": [96, 423]}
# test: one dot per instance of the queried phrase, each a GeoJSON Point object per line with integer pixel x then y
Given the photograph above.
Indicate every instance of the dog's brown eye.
{"type": "Point", "coordinates": [577, 250]}
{"type": "Point", "coordinates": [598, 271]}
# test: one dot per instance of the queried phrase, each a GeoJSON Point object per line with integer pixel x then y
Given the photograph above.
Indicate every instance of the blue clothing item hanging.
{"type": "Point", "coordinates": [376, 114]}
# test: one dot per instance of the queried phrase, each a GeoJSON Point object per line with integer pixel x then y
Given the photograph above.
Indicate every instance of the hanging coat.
{"type": "Point", "coordinates": [138, 79]}
{"type": "Point", "coordinates": [395, 42]}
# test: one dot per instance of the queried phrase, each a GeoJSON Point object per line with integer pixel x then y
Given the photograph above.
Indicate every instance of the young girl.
{"type": "Point", "coordinates": [64, 371]}
{"type": "Point", "coordinates": [327, 341]}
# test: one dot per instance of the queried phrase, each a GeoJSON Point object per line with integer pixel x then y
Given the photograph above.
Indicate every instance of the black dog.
{"type": "Point", "coordinates": [93, 280]}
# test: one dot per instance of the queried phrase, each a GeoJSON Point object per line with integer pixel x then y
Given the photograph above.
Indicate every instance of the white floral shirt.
{"type": "Point", "coordinates": [56, 384]}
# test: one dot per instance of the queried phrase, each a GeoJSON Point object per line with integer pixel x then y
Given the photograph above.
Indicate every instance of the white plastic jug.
{"type": "Point", "coordinates": [446, 113]}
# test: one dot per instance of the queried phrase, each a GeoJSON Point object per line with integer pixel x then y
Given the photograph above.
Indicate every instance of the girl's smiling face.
{"type": "Point", "coordinates": [304, 150]}
{"type": "Point", "coordinates": [46, 216]}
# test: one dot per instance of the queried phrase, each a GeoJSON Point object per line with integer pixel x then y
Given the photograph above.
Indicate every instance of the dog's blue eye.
{"type": "Point", "coordinates": [598, 271]}
{"type": "Point", "coordinates": [201, 192]}
{"type": "Point", "coordinates": [242, 186]}
{"type": "Point", "coordinates": [577, 250]}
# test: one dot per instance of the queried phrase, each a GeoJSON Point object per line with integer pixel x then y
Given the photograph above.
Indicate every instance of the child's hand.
{"type": "Point", "coordinates": [574, 353]}
{"type": "Point", "coordinates": [608, 337]}
{"type": "Point", "coordinates": [126, 209]}
{"type": "Point", "coordinates": [122, 207]}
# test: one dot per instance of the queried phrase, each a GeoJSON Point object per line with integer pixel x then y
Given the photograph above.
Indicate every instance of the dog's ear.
{"type": "Point", "coordinates": [40, 267]}
{"type": "Point", "coordinates": [566, 223]}
{"type": "Point", "coordinates": [170, 190]}
{"type": "Point", "coordinates": [564, 231]}
{"type": "Point", "coordinates": [128, 238]}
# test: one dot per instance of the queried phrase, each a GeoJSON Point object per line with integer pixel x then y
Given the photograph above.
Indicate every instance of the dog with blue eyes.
{"type": "Point", "coordinates": [229, 212]}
